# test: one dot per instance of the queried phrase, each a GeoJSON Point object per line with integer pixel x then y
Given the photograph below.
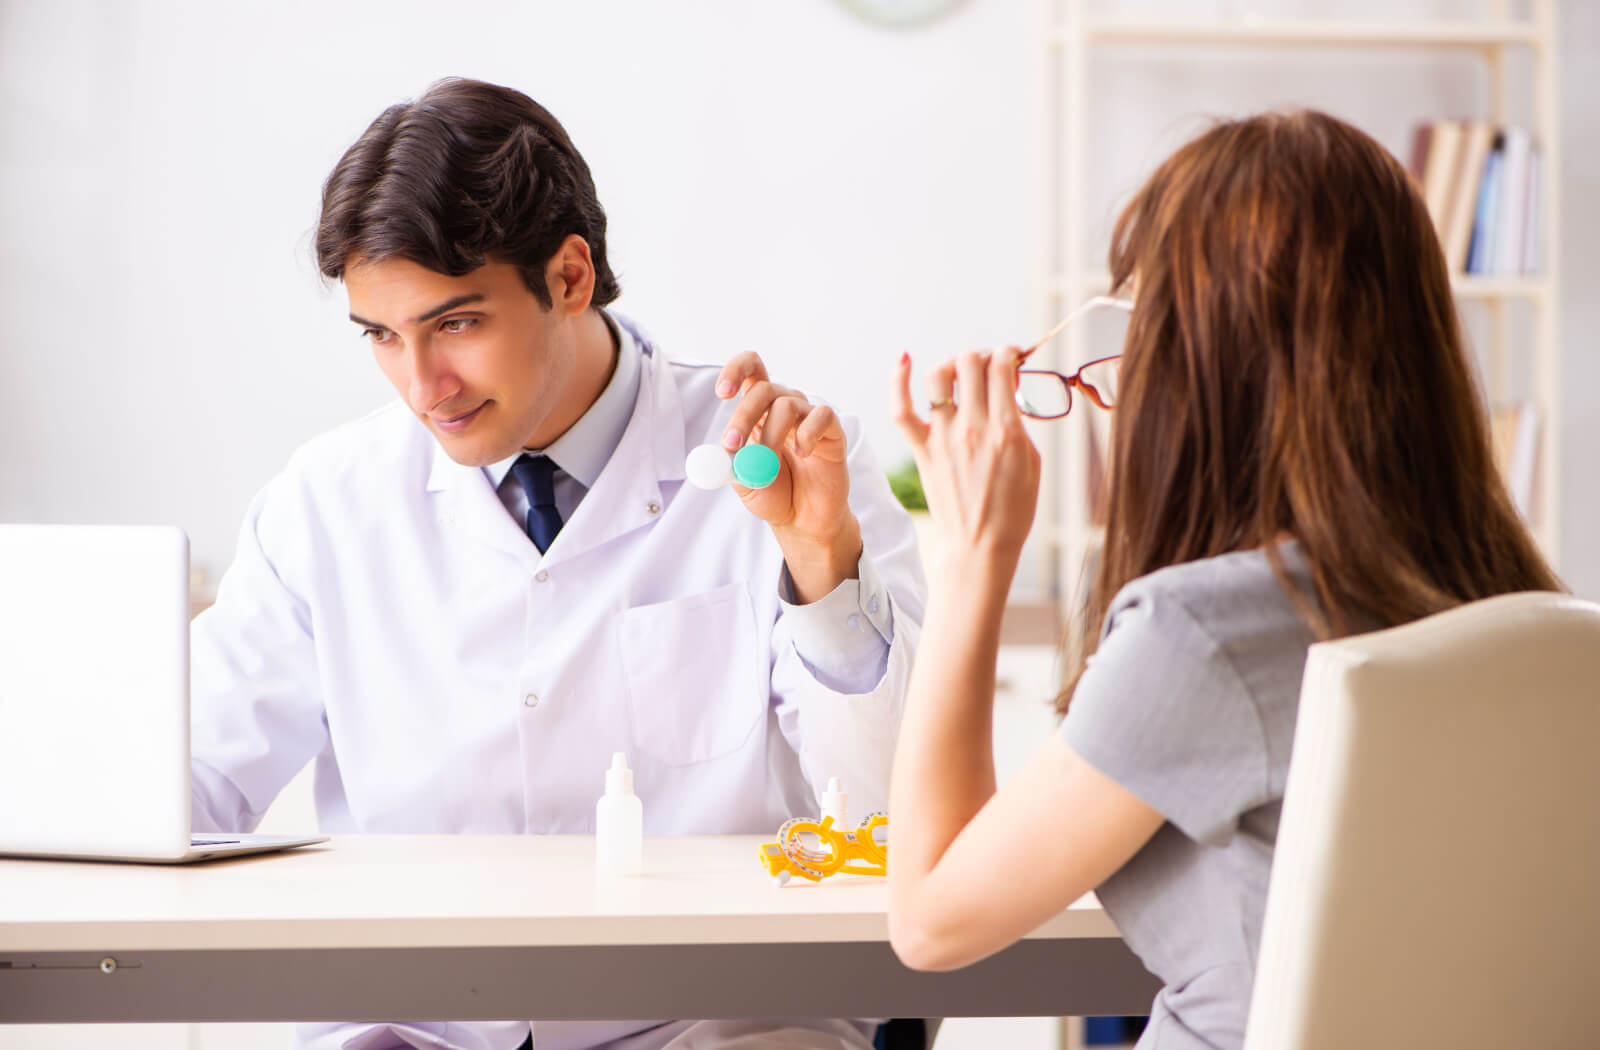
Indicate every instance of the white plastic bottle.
{"type": "Point", "coordinates": [619, 823]}
{"type": "Point", "coordinates": [836, 804]}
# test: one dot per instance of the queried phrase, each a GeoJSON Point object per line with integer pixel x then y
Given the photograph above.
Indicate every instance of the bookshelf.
{"type": "Point", "coordinates": [1072, 268]}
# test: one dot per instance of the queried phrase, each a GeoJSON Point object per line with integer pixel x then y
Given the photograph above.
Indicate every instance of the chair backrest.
{"type": "Point", "coordinates": [1437, 874]}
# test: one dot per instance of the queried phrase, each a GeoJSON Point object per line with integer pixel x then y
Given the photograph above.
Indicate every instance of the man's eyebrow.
{"type": "Point", "coordinates": [428, 315]}
{"type": "Point", "coordinates": [448, 305]}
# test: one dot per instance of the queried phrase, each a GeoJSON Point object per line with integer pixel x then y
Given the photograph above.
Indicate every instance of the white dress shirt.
{"type": "Point", "coordinates": [388, 619]}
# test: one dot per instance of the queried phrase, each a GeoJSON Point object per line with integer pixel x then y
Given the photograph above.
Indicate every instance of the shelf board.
{"type": "Point", "coordinates": [1060, 536]}
{"type": "Point", "coordinates": [1471, 287]}
{"type": "Point", "coordinates": [1466, 286]}
{"type": "Point", "coordinates": [1256, 32]}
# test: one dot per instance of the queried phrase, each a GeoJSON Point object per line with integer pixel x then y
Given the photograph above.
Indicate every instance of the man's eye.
{"type": "Point", "coordinates": [377, 335]}
{"type": "Point", "coordinates": [457, 324]}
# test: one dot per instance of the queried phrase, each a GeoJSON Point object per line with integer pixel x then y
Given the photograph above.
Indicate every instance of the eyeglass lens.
{"type": "Point", "coordinates": [1048, 395]}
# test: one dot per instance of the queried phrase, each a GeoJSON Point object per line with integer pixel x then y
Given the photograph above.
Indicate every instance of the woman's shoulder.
{"type": "Point", "coordinates": [1229, 594]}
{"type": "Point", "coordinates": [1194, 682]}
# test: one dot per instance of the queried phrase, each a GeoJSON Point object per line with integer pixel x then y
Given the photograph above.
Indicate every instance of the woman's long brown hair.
{"type": "Point", "coordinates": [1294, 365]}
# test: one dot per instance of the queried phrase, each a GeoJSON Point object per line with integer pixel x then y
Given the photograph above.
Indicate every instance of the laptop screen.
{"type": "Point", "coordinates": [94, 690]}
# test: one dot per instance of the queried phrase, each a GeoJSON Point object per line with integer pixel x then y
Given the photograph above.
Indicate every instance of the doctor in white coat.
{"type": "Point", "coordinates": [459, 606]}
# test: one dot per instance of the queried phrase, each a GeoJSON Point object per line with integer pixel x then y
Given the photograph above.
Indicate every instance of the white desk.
{"type": "Point", "coordinates": [483, 927]}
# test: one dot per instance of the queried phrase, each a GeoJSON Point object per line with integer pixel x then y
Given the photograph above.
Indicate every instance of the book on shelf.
{"type": "Point", "coordinates": [1484, 209]}
{"type": "Point", "coordinates": [1481, 184]}
{"type": "Point", "coordinates": [1436, 169]}
{"type": "Point", "coordinates": [1533, 215]}
{"type": "Point", "coordinates": [1466, 186]}
{"type": "Point", "coordinates": [1510, 216]}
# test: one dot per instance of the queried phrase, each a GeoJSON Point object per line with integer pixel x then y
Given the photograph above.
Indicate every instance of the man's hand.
{"type": "Point", "coordinates": [807, 504]}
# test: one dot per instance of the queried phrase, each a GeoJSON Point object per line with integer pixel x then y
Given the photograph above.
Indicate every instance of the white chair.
{"type": "Point", "coordinates": [1437, 876]}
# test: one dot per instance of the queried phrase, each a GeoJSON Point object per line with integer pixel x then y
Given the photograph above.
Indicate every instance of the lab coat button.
{"type": "Point", "coordinates": [854, 622]}
{"type": "Point", "coordinates": [541, 576]}
{"type": "Point", "coordinates": [872, 604]}
{"type": "Point", "coordinates": [653, 507]}
{"type": "Point", "coordinates": [530, 700]}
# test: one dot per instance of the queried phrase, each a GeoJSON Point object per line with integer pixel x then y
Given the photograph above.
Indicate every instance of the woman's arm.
{"type": "Point", "coordinates": [972, 870]}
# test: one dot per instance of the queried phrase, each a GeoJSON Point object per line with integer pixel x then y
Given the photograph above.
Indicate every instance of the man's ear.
{"type": "Point", "coordinates": [570, 276]}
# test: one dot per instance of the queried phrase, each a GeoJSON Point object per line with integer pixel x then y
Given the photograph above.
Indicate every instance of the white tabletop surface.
{"type": "Point", "coordinates": [383, 891]}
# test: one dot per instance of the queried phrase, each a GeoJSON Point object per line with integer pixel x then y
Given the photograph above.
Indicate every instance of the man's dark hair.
{"type": "Point", "coordinates": [468, 173]}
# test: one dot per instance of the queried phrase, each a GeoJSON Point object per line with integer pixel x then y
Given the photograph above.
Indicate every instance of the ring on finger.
{"type": "Point", "coordinates": [938, 403]}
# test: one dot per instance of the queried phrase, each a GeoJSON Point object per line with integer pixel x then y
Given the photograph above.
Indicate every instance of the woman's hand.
{"type": "Point", "coordinates": [980, 470]}
{"type": "Point", "coordinates": [955, 892]}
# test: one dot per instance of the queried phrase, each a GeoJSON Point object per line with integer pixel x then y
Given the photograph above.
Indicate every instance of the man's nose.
{"type": "Point", "coordinates": [431, 382]}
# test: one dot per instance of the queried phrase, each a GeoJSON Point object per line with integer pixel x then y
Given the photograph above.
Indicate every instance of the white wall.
{"type": "Point", "coordinates": [786, 180]}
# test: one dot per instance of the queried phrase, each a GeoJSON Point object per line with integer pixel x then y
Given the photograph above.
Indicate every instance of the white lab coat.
{"type": "Point", "coordinates": [386, 617]}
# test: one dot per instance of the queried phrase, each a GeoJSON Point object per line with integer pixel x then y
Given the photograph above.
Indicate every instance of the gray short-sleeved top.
{"type": "Point", "coordinates": [1190, 703]}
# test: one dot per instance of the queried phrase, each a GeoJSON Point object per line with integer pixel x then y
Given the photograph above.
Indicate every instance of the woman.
{"type": "Point", "coordinates": [1299, 452]}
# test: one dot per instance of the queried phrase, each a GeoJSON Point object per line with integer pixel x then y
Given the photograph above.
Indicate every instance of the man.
{"type": "Point", "coordinates": [462, 604]}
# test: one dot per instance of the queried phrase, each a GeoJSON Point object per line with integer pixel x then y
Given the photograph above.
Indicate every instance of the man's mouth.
{"type": "Point", "coordinates": [454, 424]}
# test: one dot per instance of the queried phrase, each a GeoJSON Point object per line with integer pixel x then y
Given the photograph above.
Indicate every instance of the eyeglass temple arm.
{"type": "Point", "coordinates": [1099, 300]}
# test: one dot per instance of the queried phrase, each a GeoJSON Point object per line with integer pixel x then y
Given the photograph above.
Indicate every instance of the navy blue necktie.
{"type": "Point", "coordinates": [536, 475]}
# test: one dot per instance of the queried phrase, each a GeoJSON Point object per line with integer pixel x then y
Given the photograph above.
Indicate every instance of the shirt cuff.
{"type": "Point", "coordinates": [844, 636]}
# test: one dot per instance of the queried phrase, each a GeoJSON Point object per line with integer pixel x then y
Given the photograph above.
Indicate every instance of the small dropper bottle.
{"type": "Point", "coordinates": [619, 823]}
{"type": "Point", "coordinates": [836, 804]}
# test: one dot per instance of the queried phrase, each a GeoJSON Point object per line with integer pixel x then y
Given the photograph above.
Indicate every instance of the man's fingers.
{"type": "Point", "coordinates": [740, 369]}
{"type": "Point", "coordinates": [820, 424]}
{"type": "Point", "coordinates": [758, 397]}
{"type": "Point", "coordinates": [783, 417]}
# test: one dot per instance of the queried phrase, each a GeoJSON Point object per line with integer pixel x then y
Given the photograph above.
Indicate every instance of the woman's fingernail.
{"type": "Point", "coordinates": [730, 438]}
{"type": "Point", "coordinates": [905, 358]}
{"type": "Point", "coordinates": [724, 388]}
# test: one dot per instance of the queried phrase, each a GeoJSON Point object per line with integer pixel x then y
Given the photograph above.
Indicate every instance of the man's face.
{"type": "Point", "coordinates": [478, 359]}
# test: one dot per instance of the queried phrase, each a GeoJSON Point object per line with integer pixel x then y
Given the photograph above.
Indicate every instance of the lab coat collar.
{"type": "Point", "coordinates": [666, 431]}
{"type": "Point", "coordinates": [626, 496]}
{"type": "Point", "coordinates": [587, 446]}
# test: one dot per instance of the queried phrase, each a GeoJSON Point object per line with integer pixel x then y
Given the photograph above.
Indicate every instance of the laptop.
{"type": "Point", "coordinates": [94, 697]}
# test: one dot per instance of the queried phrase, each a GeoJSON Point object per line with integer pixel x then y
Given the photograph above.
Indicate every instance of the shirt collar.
{"type": "Point", "coordinates": [583, 451]}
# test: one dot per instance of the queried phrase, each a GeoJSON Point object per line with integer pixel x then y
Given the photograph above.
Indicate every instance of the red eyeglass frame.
{"type": "Point", "coordinates": [1076, 378]}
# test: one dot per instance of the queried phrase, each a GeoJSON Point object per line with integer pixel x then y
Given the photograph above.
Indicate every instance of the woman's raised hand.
{"type": "Point", "coordinates": [980, 470]}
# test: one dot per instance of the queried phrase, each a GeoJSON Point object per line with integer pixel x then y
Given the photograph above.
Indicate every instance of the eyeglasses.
{"type": "Point", "coordinates": [1046, 394]}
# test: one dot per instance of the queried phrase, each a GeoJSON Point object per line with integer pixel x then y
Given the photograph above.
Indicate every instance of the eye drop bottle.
{"type": "Point", "coordinates": [618, 823]}
{"type": "Point", "coordinates": [836, 804]}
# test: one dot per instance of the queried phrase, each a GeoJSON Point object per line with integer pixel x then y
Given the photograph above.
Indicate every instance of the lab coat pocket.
{"type": "Point", "coordinates": [694, 675]}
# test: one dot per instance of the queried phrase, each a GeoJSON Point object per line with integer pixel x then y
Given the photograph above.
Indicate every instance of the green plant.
{"type": "Point", "coordinates": [906, 484]}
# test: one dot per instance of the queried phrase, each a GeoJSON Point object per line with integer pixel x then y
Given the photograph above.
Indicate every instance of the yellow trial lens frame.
{"type": "Point", "coordinates": [816, 849]}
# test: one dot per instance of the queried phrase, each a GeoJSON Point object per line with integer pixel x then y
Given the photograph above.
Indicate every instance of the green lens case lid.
{"type": "Point", "coordinates": [755, 466]}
